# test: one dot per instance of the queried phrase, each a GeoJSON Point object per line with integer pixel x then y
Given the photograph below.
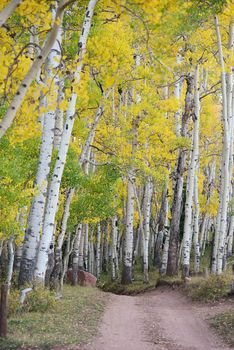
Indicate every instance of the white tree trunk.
{"type": "Point", "coordinates": [114, 255]}
{"type": "Point", "coordinates": [58, 129]}
{"type": "Point", "coordinates": [8, 10]}
{"type": "Point", "coordinates": [86, 246]}
{"type": "Point", "coordinates": [225, 176]}
{"type": "Point", "coordinates": [11, 256]}
{"type": "Point", "coordinates": [54, 188]}
{"type": "Point", "coordinates": [67, 253]}
{"type": "Point", "coordinates": [196, 228]}
{"type": "Point", "coordinates": [36, 66]}
{"type": "Point", "coordinates": [163, 268]}
{"type": "Point", "coordinates": [98, 251]}
{"type": "Point", "coordinates": [81, 250]}
{"type": "Point", "coordinates": [91, 257]}
{"type": "Point", "coordinates": [191, 175]}
{"type": "Point", "coordinates": [57, 270]}
{"type": "Point", "coordinates": [177, 92]}
{"type": "Point", "coordinates": [128, 243]}
{"type": "Point", "coordinates": [35, 220]}
{"type": "Point", "coordinates": [75, 257]}
{"type": "Point", "coordinates": [146, 226]}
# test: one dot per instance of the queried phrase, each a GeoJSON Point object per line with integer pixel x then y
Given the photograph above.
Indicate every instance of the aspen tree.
{"type": "Point", "coordinates": [146, 226]}
{"type": "Point", "coordinates": [172, 266]}
{"type": "Point", "coordinates": [220, 233]}
{"type": "Point", "coordinates": [191, 178]}
{"type": "Point", "coordinates": [35, 219]}
{"type": "Point", "coordinates": [8, 10]}
{"type": "Point", "coordinates": [53, 193]}
{"type": "Point", "coordinates": [37, 64]}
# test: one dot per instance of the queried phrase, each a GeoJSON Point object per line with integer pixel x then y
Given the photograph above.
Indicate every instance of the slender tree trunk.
{"type": "Point", "coordinates": [75, 257]}
{"type": "Point", "coordinates": [57, 270]}
{"type": "Point", "coordinates": [191, 176]}
{"type": "Point", "coordinates": [54, 188]}
{"type": "Point", "coordinates": [36, 216]}
{"type": "Point", "coordinates": [225, 176]}
{"type": "Point", "coordinates": [172, 266]}
{"type": "Point", "coordinates": [8, 10]}
{"type": "Point", "coordinates": [37, 64]}
{"type": "Point", "coordinates": [197, 254]}
{"type": "Point", "coordinates": [81, 250]}
{"type": "Point", "coordinates": [146, 226]}
{"type": "Point", "coordinates": [128, 243]}
{"type": "Point", "coordinates": [163, 268]}
{"type": "Point", "coordinates": [11, 257]}
{"type": "Point", "coordinates": [105, 261]}
{"type": "Point", "coordinates": [161, 228]}
{"type": "Point", "coordinates": [67, 253]}
{"type": "Point", "coordinates": [114, 255]}
{"type": "Point", "coordinates": [59, 115]}
{"type": "Point", "coordinates": [91, 257]}
{"type": "Point", "coordinates": [98, 251]}
{"type": "Point", "coordinates": [86, 246]}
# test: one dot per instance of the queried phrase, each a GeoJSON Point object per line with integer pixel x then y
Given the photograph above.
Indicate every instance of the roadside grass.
{"type": "Point", "coordinates": [71, 320]}
{"type": "Point", "coordinates": [136, 287]}
{"type": "Point", "coordinates": [224, 324]}
{"type": "Point", "coordinates": [210, 289]}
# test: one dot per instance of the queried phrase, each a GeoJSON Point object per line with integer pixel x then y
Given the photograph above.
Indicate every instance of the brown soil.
{"type": "Point", "coordinates": [159, 320]}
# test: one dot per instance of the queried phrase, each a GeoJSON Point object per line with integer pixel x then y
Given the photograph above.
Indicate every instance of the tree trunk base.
{"type": "Point", "coordinates": [126, 275]}
{"type": "Point", "coordinates": [185, 271]}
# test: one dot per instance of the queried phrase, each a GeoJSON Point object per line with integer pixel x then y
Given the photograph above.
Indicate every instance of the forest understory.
{"type": "Point", "coordinates": [164, 318]}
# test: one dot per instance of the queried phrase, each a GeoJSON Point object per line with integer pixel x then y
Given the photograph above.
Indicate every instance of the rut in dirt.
{"type": "Point", "coordinates": [159, 320]}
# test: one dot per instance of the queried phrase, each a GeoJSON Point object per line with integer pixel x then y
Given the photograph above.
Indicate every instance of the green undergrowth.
{"type": "Point", "coordinates": [210, 289]}
{"type": "Point", "coordinates": [70, 320]}
{"type": "Point", "coordinates": [224, 324]}
{"type": "Point", "coordinates": [170, 281]}
{"type": "Point", "coordinates": [39, 300]}
{"type": "Point", "coordinates": [136, 287]}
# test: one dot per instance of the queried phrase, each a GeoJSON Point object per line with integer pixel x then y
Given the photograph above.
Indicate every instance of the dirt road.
{"type": "Point", "coordinates": [158, 320]}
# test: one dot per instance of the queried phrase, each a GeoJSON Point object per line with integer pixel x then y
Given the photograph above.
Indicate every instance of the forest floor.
{"type": "Point", "coordinates": [162, 319]}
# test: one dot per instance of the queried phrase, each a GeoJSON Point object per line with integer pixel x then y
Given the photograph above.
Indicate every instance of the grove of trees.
{"type": "Point", "coordinates": [116, 138]}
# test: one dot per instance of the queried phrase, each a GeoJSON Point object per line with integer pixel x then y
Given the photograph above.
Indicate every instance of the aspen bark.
{"type": "Point", "coordinates": [197, 254]}
{"type": "Point", "coordinates": [11, 256]}
{"type": "Point", "coordinates": [86, 246]}
{"type": "Point", "coordinates": [91, 257]}
{"type": "Point", "coordinates": [37, 64]}
{"type": "Point", "coordinates": [220, 234]}
{"type": "Point", "coordinates": [54, 188]}
{"type": "Point", "coordinates": [35, 219]}
{"type": "Point", "coordinates": [146, 226]}
{"type": "Point", "coordinates": [172, 265]}
{"type": "Point", "coordinates": [81, 250]}
{"type": "Point", "coordinates": [75, 257]}
{"type": "Point", "coordinates": [59, 115]}
{"type": "Point", "coordinates": [191, 179]}
{"type": "Point", "coordinates": [114, 254]}
{"type": "Point", "coordinates": [128, 243]}
{"type": "Point", "coordinates": [67, 253]}
{"type": "Point", "coordinates": [161, 228]}
{"type": "Point", "coordinates": [98, 251]}
{"type": "Point", "coordinates": [8, 10]}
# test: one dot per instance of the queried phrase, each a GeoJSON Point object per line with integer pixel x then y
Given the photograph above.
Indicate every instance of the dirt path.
{"type": "Point", "coordinates": [159, 320]}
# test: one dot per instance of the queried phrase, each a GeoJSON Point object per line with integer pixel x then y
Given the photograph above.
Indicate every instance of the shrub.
{"type": "Point", "coordinates": [39, 300]}
{"type": "Point", "coordinates": [224, 323]}
{"type": "Point", "coordinates": [13, 302]}
{"type": "Point", "coordinates": [212, 288]}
